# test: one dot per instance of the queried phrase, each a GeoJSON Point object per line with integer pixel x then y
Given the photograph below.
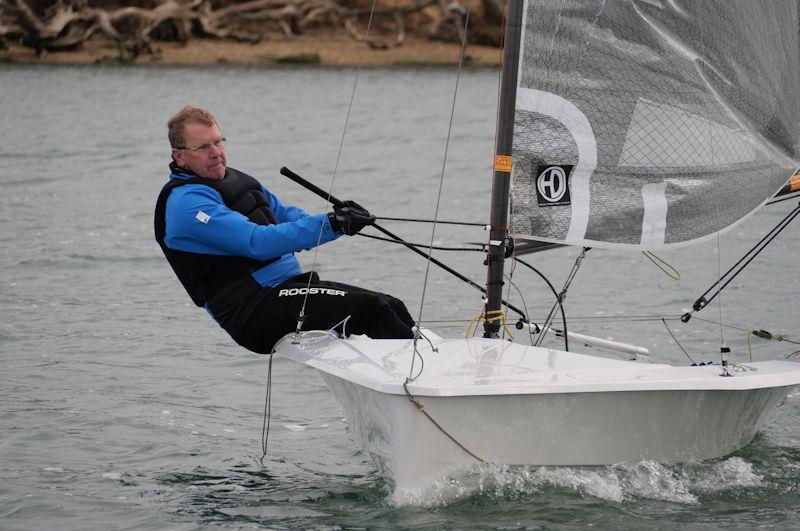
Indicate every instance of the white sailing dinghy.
{"type": "Point", "coordinates": [626, 124]}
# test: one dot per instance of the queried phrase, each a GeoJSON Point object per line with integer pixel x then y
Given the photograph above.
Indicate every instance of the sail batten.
{"type": "Point", "coordinates": [648, 124]}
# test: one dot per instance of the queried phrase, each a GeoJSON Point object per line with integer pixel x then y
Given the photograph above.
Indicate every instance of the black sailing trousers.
{"type": "Point", "coordinates": [328, 304]}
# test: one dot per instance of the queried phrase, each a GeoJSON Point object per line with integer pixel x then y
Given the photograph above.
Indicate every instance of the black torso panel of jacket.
{"type": "Point", "coordinates": [205, 275]}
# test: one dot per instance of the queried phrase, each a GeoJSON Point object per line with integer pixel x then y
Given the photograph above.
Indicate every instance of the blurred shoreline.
{"type": "Point", "coordinates": [308, 50]}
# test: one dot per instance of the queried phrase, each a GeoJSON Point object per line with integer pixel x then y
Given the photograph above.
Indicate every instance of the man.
{"type": "Point", "coordinates": [231, 244]}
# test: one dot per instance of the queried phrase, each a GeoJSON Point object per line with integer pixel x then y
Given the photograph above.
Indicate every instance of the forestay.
{"type": "Point", "coordinates": [669, 119]}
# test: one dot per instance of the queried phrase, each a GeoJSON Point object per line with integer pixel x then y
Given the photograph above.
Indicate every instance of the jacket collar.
{"type": "Point", "coordinates": [180, 172]}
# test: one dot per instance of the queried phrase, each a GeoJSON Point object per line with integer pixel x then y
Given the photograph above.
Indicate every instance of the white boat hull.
{"type": "Point", "coordinates": [551, 429]}
{"type": "Point", "coordinates": [516, 405]}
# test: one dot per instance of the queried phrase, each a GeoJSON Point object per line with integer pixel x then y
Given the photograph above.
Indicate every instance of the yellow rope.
{"type": "Point", "coordinates": [663, 265]}
{"type": "Point", "coordinates": [577, 318]}
{"type": "Point", "coordinates": [500, 315]}
{"type": "Point", "coordinates": [497, 315]}
{"type": "Point", "coordinates": [623, 317]}
{"type": "Point", "coordinates": [469, 327]}
{"type": "Point", "coordinates": [454, 321]}
{"type": "Point", "coordinates": [726, 325]}
{"type": "Point", "coordinates": [750, 346]}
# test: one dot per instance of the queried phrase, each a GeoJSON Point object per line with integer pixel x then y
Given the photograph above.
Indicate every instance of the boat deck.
{"type": "Point", "coordinates": [477, 366]}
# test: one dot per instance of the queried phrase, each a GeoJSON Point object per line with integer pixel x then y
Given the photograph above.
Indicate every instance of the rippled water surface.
{"type": "Point", "coordinates": [124, 406]}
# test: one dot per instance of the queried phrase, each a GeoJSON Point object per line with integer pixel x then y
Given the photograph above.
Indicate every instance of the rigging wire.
{"type": "Point", "coordinates": [510, 276]}
{"type": "Point", "coordinates": [301, 316]}
{"type": "Point", "coordinates": [677, 342]}
{"type": "Point", "coordinates": [719, 303]}
{"type": "Point", "coordinates": [712, 152]}
{"type": "Point", "coordinates": [424, 245]}
{"type": "Point", "coordinates": [417, 333]}
{"type": "Point", "coordinates": [426, 338]}
{"type": "Point", "coordinates": [787, 198]}
{"type": "Point", "coordinates": [742, 263]}
{"type": "Point", "coordinates": [524, 304]}
{"type": "Point", "coordinates": [763, 334]}
{"type": "Point", "coordinates": [267, 412]}
{"type": "Point", "coordinates": [441, 185]}
{"type": "Point", "coordinates": [555, 294]}
{"type": "Point", "coordinates": [440, 222]}
{"type": "Point", "coordinates": [724, 350]}
{"type": "Point", "coordinates": [562, 294]}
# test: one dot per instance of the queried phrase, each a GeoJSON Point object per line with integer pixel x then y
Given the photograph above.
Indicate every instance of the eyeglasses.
{"type": "Point", "coordinates": [205, 147]}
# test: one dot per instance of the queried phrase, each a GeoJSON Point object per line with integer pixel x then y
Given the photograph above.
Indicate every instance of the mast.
{"type": "Point", "coordinates": [502, 166]}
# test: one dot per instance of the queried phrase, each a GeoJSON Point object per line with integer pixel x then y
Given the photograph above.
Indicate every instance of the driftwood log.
{"type": "Point", "coordinates": [68, 24]}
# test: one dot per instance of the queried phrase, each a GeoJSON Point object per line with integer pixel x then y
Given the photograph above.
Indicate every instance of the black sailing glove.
{"type": "Point", "coordinates": [350, 217]}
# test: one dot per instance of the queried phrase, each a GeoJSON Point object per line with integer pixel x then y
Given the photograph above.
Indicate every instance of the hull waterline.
{"type": "Point", "coordinates": [556, 429]}
{"type": "Point", "coordinates": [514, 405]}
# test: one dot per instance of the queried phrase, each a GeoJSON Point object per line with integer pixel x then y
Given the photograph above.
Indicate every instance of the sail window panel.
{"type": "Point", "coordinates": [691, 112]}
{"type": "Point", "coordinates": [664, 136]}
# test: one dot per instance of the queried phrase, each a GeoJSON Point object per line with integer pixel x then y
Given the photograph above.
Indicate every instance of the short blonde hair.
{"type": "Point", "coordinates": [178, 122]}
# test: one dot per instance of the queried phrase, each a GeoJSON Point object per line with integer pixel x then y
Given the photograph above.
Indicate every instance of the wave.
{"type": "Point", "coordinates": [616, 483]}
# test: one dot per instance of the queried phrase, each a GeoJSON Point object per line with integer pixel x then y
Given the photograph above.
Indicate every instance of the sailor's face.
{"type": "Point", "coordinates": [203, 151]}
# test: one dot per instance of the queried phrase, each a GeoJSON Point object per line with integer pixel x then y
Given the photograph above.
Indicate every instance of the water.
{"type": "Point", "coordinates": [123, 406]}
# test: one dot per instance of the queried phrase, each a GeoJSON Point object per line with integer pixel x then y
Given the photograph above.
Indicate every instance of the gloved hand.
{"type": "Point", "coordinates": [350, 217]}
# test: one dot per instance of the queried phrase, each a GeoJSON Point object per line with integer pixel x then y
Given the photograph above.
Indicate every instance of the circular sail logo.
{"type": "Point", "coordinates": [552, 185]}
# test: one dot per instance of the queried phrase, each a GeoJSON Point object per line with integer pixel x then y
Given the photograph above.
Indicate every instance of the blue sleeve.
{"type": "Point", "coordinates": [283, 212]}
{"type": "Point", "coordinates": [199, 222]}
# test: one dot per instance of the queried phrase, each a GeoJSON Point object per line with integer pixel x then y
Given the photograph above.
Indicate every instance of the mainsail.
{"type": "Point", "coordinates": [646, 124]}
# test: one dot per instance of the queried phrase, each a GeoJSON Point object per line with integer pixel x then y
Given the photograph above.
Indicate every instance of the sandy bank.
{"type": "Point", "coordinates": [322, 50]}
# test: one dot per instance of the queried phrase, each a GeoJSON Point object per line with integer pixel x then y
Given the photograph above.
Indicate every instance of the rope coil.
{"type": "Point", "coordinates": [497, 315]}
